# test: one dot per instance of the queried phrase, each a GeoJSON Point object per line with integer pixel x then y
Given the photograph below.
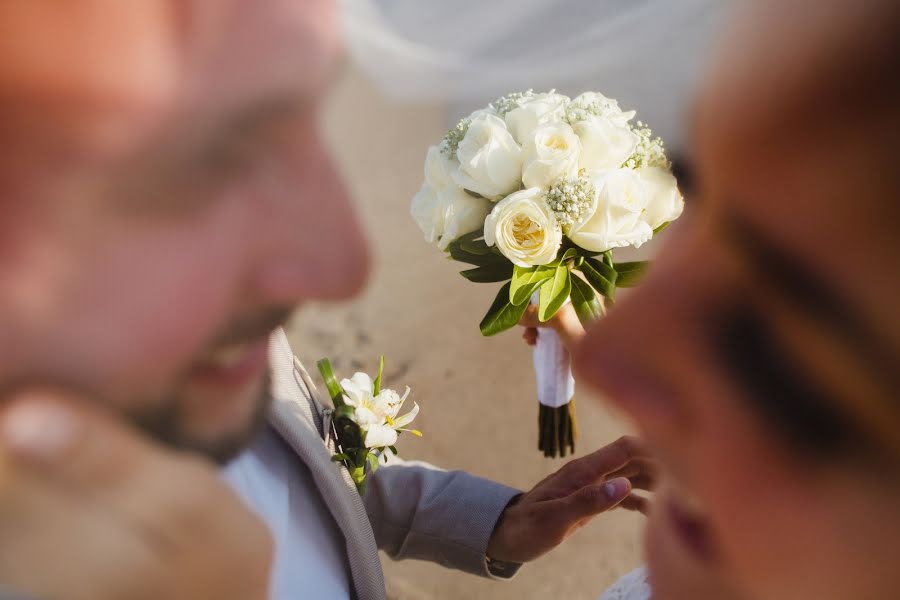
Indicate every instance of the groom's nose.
{"type": "Point", "coordinates": [313, 245]}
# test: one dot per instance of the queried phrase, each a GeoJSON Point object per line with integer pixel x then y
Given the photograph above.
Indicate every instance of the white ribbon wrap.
{"type": "Point", "coordinates": [552, 368]}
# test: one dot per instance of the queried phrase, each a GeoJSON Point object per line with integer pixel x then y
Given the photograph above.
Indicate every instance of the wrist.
{"type": "Point", "coordinates": [495, 551]}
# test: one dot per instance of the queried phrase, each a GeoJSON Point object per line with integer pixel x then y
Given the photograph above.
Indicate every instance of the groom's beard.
{"type": "Point", "coordinates": [166, 420]}
{"type": "Point", "coordinates": [166, 425]}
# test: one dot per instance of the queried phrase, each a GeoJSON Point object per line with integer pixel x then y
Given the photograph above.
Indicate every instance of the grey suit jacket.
{"type": "Point", "coordinates": [411, 510]}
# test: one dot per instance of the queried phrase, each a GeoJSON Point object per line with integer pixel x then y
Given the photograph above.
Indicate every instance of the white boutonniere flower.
{"type": "Point", "coordinates": [365, 422]}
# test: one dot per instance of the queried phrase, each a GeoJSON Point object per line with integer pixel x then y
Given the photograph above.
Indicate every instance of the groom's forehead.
{"type": "Point", "coordinates": [111, 70]}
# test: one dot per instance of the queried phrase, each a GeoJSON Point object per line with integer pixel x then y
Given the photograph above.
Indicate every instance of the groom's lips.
{"type": "Point", "coordinates": [232, 366]}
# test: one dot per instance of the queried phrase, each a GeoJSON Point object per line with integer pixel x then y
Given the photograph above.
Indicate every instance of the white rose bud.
{"type": "Point", "coordinates": [664, 202]}
{"type": "Point", "coordinates": [524, 229]}
{"type": "Point", "coordinates": [534, 111]}
{"type": "Point", "coordinates": [551, 154]}
{"type": "Point", "coordinates": [605, 143]}
{"type": "Point", "coordinates": [443, 211]}
{"type": "Point", "coordinates": [490, 160]}
{"type": "Point", "coordinates": [615, 218]}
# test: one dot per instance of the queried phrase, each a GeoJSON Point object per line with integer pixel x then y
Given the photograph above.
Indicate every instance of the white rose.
{"type": "Point", "coordinates": [605, 143]}
{"type": "Point", "coordinates": [443, 211]}
{"type": "Point", "coordinates": [533, 112]}
{"type": "Point", "coordinates": [524, 229]}
{"type": "Point", "coordinates": [615, 218]}
{"type": "Point", "coordinates": [597, 103]}
{"type": "Point", "coordinates": [551, 153]}
{"type": "Point", "coordinates": [439, 168]}
{"type": "Point", "coordinates": [490, 160]}
{"type": "Point", "coordinates": [664, 200]}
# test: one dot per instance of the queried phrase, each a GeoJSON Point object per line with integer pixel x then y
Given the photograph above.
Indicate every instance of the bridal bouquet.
{"type": "Point", "coordinates": [535, 191]}
{"type": "Point", "coordinates": [366, 420]}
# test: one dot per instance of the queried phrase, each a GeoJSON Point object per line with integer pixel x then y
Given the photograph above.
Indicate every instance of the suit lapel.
{"type": "Point", "coordinates": [295, 415]}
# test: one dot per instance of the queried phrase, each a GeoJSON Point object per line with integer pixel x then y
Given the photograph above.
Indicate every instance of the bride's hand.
{"type": "Point", "coordinates": [565, 322]}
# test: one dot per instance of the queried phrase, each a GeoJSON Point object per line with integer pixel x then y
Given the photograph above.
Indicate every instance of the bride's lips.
{"type": "Point", "coordinates": [690, 528]}
{"type": "Point", "coordinates": [232, 366]}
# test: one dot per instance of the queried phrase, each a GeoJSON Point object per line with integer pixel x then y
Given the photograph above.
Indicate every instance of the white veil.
{"type": "Point", "coordinates": [645, 53]}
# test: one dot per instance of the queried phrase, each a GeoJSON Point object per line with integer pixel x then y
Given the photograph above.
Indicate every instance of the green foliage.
{"type": "Point", "coordinates": [585, 301]}
{"type": "Point", "coordinates": [601, 277]}
{"type": "Point", "coordinates": [343, 412]}
{"type": "Point", "coordinates": [472, 250]}
{"type": "Point", "coordinates": [554, 292]}
{"type": "Point", "coordinates": [630, 274]}
{"type": "Point", "coordinates": [525, 280]}
{"type": "Point", "coordinates": [331, 383]}
{"type": "Point", "coordinates": [502, 314]}
{"type": "Point", "coordinates": [376, 386]}
{"type": "Point", "coordinates": [490, 273]}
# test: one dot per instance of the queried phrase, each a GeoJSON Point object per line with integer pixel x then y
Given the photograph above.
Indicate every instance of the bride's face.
{"type": "Point", "coordinates": [167, 203]}
{"type": "Point", "coordinates": [760, 357]}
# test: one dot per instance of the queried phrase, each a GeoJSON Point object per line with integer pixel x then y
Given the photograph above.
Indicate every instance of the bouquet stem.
{"type": "Point", "coordinates": [558, 429]}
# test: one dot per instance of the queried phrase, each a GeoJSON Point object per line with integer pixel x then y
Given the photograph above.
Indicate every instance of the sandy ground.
{"type": "Point", "coordinates": [479, 410]}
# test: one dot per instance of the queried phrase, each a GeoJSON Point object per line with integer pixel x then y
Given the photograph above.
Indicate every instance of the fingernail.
{"type": "Point", "coordinates": [618, 488]}
{"type": "Point", "coordinates": [38, 428]}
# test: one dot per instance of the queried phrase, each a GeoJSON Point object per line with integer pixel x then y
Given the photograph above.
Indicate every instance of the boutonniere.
{"type": "Point", "coordinates": [366, 420]}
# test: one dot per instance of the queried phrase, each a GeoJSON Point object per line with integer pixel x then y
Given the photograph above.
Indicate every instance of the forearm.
{"type": "Point", "coordinates": [421, 512]}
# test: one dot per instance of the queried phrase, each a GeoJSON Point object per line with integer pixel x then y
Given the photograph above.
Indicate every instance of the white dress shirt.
{"type": "Point", "coordinates": [310, 556]}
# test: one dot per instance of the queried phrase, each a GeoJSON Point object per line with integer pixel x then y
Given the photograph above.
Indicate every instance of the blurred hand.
{"type": "Point", "coordinates": [539, 520]}
{"type": "Point", "coordinates": [91, 510]}
{"type": "Point", "coordinates": [565, 322]}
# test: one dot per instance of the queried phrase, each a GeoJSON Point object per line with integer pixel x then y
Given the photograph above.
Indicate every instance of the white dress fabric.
{"type": "Point", "coordinates": [632, 586]}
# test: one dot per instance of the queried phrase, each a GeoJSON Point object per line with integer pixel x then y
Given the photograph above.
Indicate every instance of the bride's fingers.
{"type": "Point", "coordinates": [642, 471]}
{"type": "Point", "coordinates": [530, 317]}
{"type": "Point", "coordinates": [636, 503]}
{"type": "Point", "coordinates": [530, 335]}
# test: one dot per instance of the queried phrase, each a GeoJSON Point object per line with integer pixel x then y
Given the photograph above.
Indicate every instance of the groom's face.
{"type": "Point", "coordinates": [760, 357]}
{"type": "Point", "coordinates": [166, 202]}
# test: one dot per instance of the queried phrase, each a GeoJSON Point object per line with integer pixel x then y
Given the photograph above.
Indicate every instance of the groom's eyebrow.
{"type": "Point", "coordinates": [813, 296]}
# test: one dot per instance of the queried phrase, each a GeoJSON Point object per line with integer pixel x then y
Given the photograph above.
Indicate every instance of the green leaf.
{"type": "Point", "coordinates": [631, 273]}
{"type": "Point", "coordinates": [344, 412]}
{"type": "Point", "coordinates": [339, 458]}
{"type": "Point", "coordinates": [525, 280]}
{"type": "Point", "coordinates": [600, 276]}
{"type": "Point", "coordinates": [661, 227]}
{"type": "Point", "coordinates": [554, 293]}
{"type": "Point", "coordinates": [373, 462]}
{"type": "Point", "coordinates": [469, 249]}
{"type": "Point", "coordinates": [491, 273]}
{"type": "Point", "coordinates": [394, 450]}
{"type": "Point", "coordinates": [376, 385]}
{"type": "Point", "coordinates": [569, 254]}
{"type": "Point", "coordinates": [331, 383]}
{"type": "Point", "coordinates": [607, 259]}
{"type": "Point", "coordinates": [469, 237]}
{"type": "Point", "coordinates": [502, 314]}
{"type": "Point", "coordinates": [585, 301]}
{"type": "Point", "coordinates": [478, 247]}
{"type": "Point", "coordinates": [460, 255]}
